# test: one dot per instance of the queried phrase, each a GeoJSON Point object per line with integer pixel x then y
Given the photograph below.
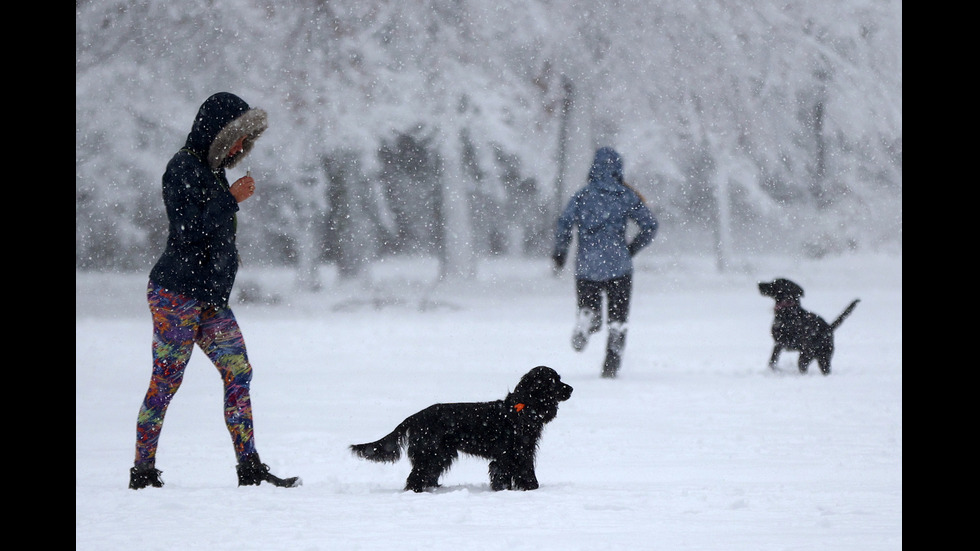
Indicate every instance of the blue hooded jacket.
{"type": "Point", "coordinates": [601, 210]}
{"type": "Point", "coordinates": [201, 257]}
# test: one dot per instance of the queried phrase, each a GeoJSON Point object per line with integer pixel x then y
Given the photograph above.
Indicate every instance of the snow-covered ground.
{"type": "Point", "coordinates": [697, 446]}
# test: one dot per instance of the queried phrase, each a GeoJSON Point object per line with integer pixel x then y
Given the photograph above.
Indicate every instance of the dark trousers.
{"type": "Point", "coordinates": [617, 291]}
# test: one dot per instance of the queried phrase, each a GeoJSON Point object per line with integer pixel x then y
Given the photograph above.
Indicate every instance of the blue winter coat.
{"type": "Point", "coordinates": [601, 210]}
{"type": "Point", "coordinates": [201, 257]}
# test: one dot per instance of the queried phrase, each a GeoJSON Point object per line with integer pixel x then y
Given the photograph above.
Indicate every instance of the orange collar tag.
{"type": "Point", "coordinates": [518, 407]}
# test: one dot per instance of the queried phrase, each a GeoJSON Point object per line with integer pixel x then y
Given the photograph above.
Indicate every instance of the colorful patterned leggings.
{"type": "Point", "coordinates": [179, 323]}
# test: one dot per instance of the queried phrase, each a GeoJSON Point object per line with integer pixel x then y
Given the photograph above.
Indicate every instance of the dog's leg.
{"type": "Point", "coordinates": [509, 476]}
{"type": "Point", "coordinates": [824, 362]}
{"type": "Point", "coordinates": [526, 479]}
{"type": "Point", "coordinates": [516, 471]}
{"type": "Point", "coordinates": [426, 471]}
{"type": "Point", "coordinates": [418, 481]}
{"type": "Point", "coordinates": [500, 479]}
{"type": "Point", "coordinates": [775, 356]}
{"type": "Point", "coordinates": [804, 361]}
{"type": "Point", "coordinates": [429, 462]}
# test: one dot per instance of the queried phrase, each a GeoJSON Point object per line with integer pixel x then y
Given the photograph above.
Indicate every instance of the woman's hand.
{"type": "Point", "coordinates": [243, 188]}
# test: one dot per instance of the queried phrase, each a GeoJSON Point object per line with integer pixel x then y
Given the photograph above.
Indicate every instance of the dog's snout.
{"type": "Point", "coordinates": [566, 392]}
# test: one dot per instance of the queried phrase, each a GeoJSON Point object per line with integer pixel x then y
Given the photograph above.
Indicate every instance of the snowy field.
{"type": "Point", "coordinates": [697, 446]}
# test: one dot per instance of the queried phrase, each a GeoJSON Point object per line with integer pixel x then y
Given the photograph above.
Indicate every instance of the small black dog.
{"type": "Point", "coordinates": [504, 431]}
{"type": "Point", "coordinates": [799, 330]}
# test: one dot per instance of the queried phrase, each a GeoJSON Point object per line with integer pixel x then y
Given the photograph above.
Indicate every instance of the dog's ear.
{"type": "Point", "coordinates": [789, 288]}
{"type": "Point", "coordinates": [537, 382]}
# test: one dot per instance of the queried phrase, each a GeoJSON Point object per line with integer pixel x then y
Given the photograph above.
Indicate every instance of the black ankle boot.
{"type": "Point", "coordinates": [610, 367]}
{"type": "Point", "coordinates": [251, 472]}
{"type": "Point", "coordinates": [143, 475]}
{"type": "Point", "coordinates": [614, 350]}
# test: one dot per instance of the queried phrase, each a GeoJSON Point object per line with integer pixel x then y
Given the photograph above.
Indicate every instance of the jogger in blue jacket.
{"type": "Point", "coordinates": [604, 257]}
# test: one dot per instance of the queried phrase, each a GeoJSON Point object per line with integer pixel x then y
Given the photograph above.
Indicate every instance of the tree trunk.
{"type": "Point", "coordinates": [568, 90]}
{"type": "Point", "coordinates": [457, 258]}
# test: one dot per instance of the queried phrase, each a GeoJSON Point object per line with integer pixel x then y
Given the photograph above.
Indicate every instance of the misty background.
{"type": "Point", "coordinates": [456, 129]}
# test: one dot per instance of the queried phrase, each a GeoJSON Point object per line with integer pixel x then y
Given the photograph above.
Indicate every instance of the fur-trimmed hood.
{"type": "Point", "coordinates": [221, 120]}
{"type": "Point", "coordinates": [606, 172]}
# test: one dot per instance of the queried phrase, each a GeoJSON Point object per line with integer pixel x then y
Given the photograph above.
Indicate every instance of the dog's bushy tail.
{"type": "Point", "coordinates": [385, 450]}
{"type": "Point", "coordinates": [847, 312]}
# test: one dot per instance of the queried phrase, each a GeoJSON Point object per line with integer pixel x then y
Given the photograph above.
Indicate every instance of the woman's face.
{"type": "Point", "coordinates": [236, 147]}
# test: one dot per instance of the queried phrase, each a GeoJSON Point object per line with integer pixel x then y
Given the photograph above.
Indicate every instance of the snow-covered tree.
{"type": "Point", "coordinates": [446, 127]}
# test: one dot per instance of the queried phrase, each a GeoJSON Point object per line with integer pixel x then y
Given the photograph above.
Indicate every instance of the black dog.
{"type": "Point", "coordinates": [504, 431]}
{"type": "Point", "coordinates": [799, 330]}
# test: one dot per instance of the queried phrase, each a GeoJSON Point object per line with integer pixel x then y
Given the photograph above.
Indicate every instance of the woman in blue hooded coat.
{"type": "Point", "coordinates": [604, 256]}
{"type": "Point", "coordinates": [190, 284]}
